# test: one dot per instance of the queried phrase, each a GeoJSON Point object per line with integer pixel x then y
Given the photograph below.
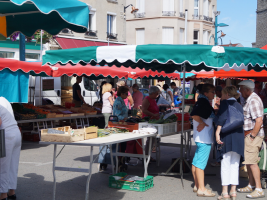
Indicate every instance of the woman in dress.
{"type": "Point", "coordinates": [230, 145]}
{"type": "Point", "coordinates": [137, 96]}
{"type": "Point", "coordinates": [202, 115]}
{"type": "Point", "coordinates": [128, 101]}
{"type": "Point", "coordinates": [151, 109]}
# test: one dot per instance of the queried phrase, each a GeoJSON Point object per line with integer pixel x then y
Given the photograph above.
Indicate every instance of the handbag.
{"type": "Point", "coordinates": [235, 119]}
{"type": "Point", "coordinates": [263, 158]}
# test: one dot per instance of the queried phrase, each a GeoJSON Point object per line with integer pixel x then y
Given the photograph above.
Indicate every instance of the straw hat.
{"type": "Point", "coordinates": [121, 83]}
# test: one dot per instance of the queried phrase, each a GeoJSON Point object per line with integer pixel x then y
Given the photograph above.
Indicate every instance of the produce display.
{"type": "Point", "coordinates": [29, 111]}
{"type": "Point", "coordinates": [108, 131]}
{"type": "Point", "coordinates": [170, 119]}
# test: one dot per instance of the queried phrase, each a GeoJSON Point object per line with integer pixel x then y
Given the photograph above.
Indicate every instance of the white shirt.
{"type": "Point", "coordinates": [7, 118]}
{"type": "Point", "coordinates": [5, 103]}
{"type": "Point", "coordinates": [106, 108]}
{"type": "Point", "coordinates": [163, 101]}
{"type": "Point", "coordinates": [168, 96]}
{"type": "Point", "coordinates": [206, 135]}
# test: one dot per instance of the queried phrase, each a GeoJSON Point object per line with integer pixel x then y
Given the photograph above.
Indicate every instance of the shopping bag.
{"type": "Point", "coordinates": [263, 158]}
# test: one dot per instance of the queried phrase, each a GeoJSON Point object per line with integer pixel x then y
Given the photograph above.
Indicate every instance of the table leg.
{"type": "Point", "coordinates": [117, 160]}
{"type": "Point", "coordinates": [90, 173]}
{"type": "Point", "coordinates": [146, 161]}
{"type": "Point", "coordinates": [111, 157]}
{"type": "Point", "coordinates": [54, 171]}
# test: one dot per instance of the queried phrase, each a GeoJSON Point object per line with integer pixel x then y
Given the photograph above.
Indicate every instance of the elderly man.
{"type": "Point", "coordinates": [254, 134]}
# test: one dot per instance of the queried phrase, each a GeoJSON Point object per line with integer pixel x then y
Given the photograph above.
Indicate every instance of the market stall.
{"type": "Point", "coordinates": [167, 58]}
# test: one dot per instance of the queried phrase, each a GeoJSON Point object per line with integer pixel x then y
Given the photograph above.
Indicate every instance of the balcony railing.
{"type": "Point", "coordinates": [112, 36]}
{"type": "Point", "coordinates": [66, 31]}
{"type": "Point", "coordinates": [196, 17]}
{"type": "Point", "coordinates": [168, 13]}
{"type": "Point", "coordinates": [140, 15]}
{"type": "Point", "coordinates": [182, 14]}
{"type": "Point", "coordinates": [113, 1]}
{"type": "Point", "coordinates": [206, 18]}
{"type": "Point", "coordinates": [91, 33]}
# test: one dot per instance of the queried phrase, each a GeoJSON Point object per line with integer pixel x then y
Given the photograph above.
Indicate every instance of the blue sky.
{"type": "Point", "coordinates": [240, 15]}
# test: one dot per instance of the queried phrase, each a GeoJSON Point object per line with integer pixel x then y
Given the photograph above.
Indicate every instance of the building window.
{"type": "Point", "coordinates": [167, 35]}
{"type": "Point", "coordinates": [168, 8]}
{"type": "Point", "coordinates": [140, 36]}
{"type": "Point", "coordinates": [34, 56]}
{"type": "Point", "coordinates": [111, 26]}
{"type": "Point", "coordinates": [92, 24]}
{"type": "Point", "coordinates": [140, 4]}
{"type": "Point", "coordinates": [181, 5]}
{"type": "Point", "coordinates": [196, 9]}
{"type": "Point", "coordinates": [181, 38]}
{"type": "Point", "coordinates": [5, 54]}
{"type": "Point", "coordinates": [195, 39]}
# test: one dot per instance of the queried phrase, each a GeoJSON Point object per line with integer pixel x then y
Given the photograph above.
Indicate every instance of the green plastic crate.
{"type": "Point", "coordinates": [139, 186]}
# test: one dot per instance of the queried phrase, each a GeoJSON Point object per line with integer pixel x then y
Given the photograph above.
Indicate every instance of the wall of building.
{"type": "Point", "coordinates": [154, 21]}
{"type": "Point", "coordinates": [102, 8]}
{"type": "Point", "coordinates": [261, 27]}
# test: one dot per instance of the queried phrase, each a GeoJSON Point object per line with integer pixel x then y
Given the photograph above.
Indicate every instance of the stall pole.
{"type": "Point", "coordinates": [185, 28]}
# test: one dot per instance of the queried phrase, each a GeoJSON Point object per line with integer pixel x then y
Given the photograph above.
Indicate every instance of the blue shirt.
{"type": "Point", "coordinates": [120, 109]}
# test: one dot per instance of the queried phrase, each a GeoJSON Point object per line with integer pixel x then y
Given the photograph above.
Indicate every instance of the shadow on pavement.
{"type": "Point", "coordinates": [31, 145]}
{"type": "Point", "coordinates": [67, 190]}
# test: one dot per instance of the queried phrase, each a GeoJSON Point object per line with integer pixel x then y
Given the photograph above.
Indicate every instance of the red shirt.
{"type": "Point", "coordinates": [153, 107]}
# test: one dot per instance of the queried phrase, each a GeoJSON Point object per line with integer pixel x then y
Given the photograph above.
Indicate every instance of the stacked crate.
{"type": "Point", "coordinates": [66, 95]}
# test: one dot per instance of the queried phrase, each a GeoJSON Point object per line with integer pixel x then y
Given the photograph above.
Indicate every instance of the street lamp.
{"type": "Point", "coordinates": [134, 10]}
{"type": "Point", "coordinates": [217, 13]}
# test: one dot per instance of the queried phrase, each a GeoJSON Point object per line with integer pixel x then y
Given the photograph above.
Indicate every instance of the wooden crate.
{"type": "Point", "coordinates": [71, 135]}
{"type": "Point", "coordinates": [51, 115]}
{"type": "Point", "coordinates": [90, 133]}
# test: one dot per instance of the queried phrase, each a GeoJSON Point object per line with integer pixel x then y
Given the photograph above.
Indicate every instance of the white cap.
{"type": "Point", "coordinates": [248, 83]}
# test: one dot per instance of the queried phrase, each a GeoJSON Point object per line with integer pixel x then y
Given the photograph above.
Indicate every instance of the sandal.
{"type": "Point", "coordinates": [233, 197]}
{"type": "Point", "coordinates": [207, 193]}
{"type": "Point", "coordinates": [222, 197]}
{"type": "Point", "coordinates": [256, 194]}
{"type": "Point", "coordinates": [246, 189]}
{"type": "Point", "coordinates": [195, 189]}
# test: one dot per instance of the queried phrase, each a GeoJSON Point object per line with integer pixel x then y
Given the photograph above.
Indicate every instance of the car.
{"type": "Point", "coordinates": [144, 92]}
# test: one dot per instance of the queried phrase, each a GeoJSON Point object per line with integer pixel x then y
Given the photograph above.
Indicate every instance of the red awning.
{"type": "Point", "coordinates": [122, 72]}
{"type": "Point", "coordinates": [232, 74]}
{"type": "Point", "coordinates": [265, 47]}
{"type": "Point", "coordinates": [68, 43]}
{"type": "Point", "coordinates": [15, 65]}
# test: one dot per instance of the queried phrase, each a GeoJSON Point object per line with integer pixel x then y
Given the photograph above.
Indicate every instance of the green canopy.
{"type": "Point", "coordinates": [166, 58]}
{"type": "Point", "coordinates": [28, 16]}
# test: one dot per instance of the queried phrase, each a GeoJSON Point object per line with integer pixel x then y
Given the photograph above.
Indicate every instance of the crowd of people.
{"type": "Point", "coordinates": [238, 135]}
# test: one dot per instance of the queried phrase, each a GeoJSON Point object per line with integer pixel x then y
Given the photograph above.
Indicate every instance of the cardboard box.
{"type": "Point", "coordinates": [90, 133]}
{"type": "Point", "coordinates": [71, 135]}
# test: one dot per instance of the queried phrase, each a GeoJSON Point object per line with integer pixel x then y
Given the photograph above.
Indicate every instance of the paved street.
{"type": "Point", "coordinates": [35, 180]}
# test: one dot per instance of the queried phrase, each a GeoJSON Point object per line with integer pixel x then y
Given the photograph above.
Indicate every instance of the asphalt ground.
{"type": "Point", "coordinates": [35, 178]}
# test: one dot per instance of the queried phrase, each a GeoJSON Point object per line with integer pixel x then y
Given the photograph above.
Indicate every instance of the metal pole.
{"type": "Point", "coordinates": [41, 47]}
{"type": "Point", "coordinates": [185, 28]}
{"type": "Point", "coordinates": [183, 100]}
{"type": "Point", "coordinates": [21, 47]}
{"type": "Point", "coordinates": [215, 38]}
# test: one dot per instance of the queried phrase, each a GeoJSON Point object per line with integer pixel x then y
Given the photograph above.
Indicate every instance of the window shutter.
{"type": "Point", "coordinates": [181, 6]}
{"type": "Point", "coordinates": [181, 36]}
{"type": "Point", "coordinates": [165, 5]}
{"type": "Point", "coordinates": [167, 35]}
{"type": "Point", "coordinates": [140, 36]}
{"type": "Point", "coordinates": [171, 5]}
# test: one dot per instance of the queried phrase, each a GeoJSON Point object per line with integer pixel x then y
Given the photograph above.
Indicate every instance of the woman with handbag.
{"type": "Point", "coordinates": [230, 140]}
{"type": "Point", "coordinates": [203, 115]}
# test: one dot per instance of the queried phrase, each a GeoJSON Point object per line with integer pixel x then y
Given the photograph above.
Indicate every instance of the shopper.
{"type": "Point", "coordinates": [203, 115]}
{"type": "Point", "coordinates": [169, 95]}
{"type": "Point", "coordinates": [107, 101]}
{"type": "Point", "coordinates": [100, 91]}
{"type": "Point", "coordinates": [230, 145]}
{"type": "Point", "coordinates": [129, 100]}
{"type": "Point", "coordinates": [150, 109]}
{"type": "Point", "coordinates": [263, 95]}
{"type": "Point", "coordinates": [76, 91]}
{"type": "Point", "coordinates": [175, 89]}
{"type": "Point", "coordinates": [254, 134]}
{"type": "Point", "coordinates": [119, 107]}
{"type": "Point", "coordinates": [137, 96]}
{"type": "Point", "coordinates": [9, 164]}
{"type": "Point", "coordinates": [199, 87]}
{"type": "Point", "coordinates": [258, 87]}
